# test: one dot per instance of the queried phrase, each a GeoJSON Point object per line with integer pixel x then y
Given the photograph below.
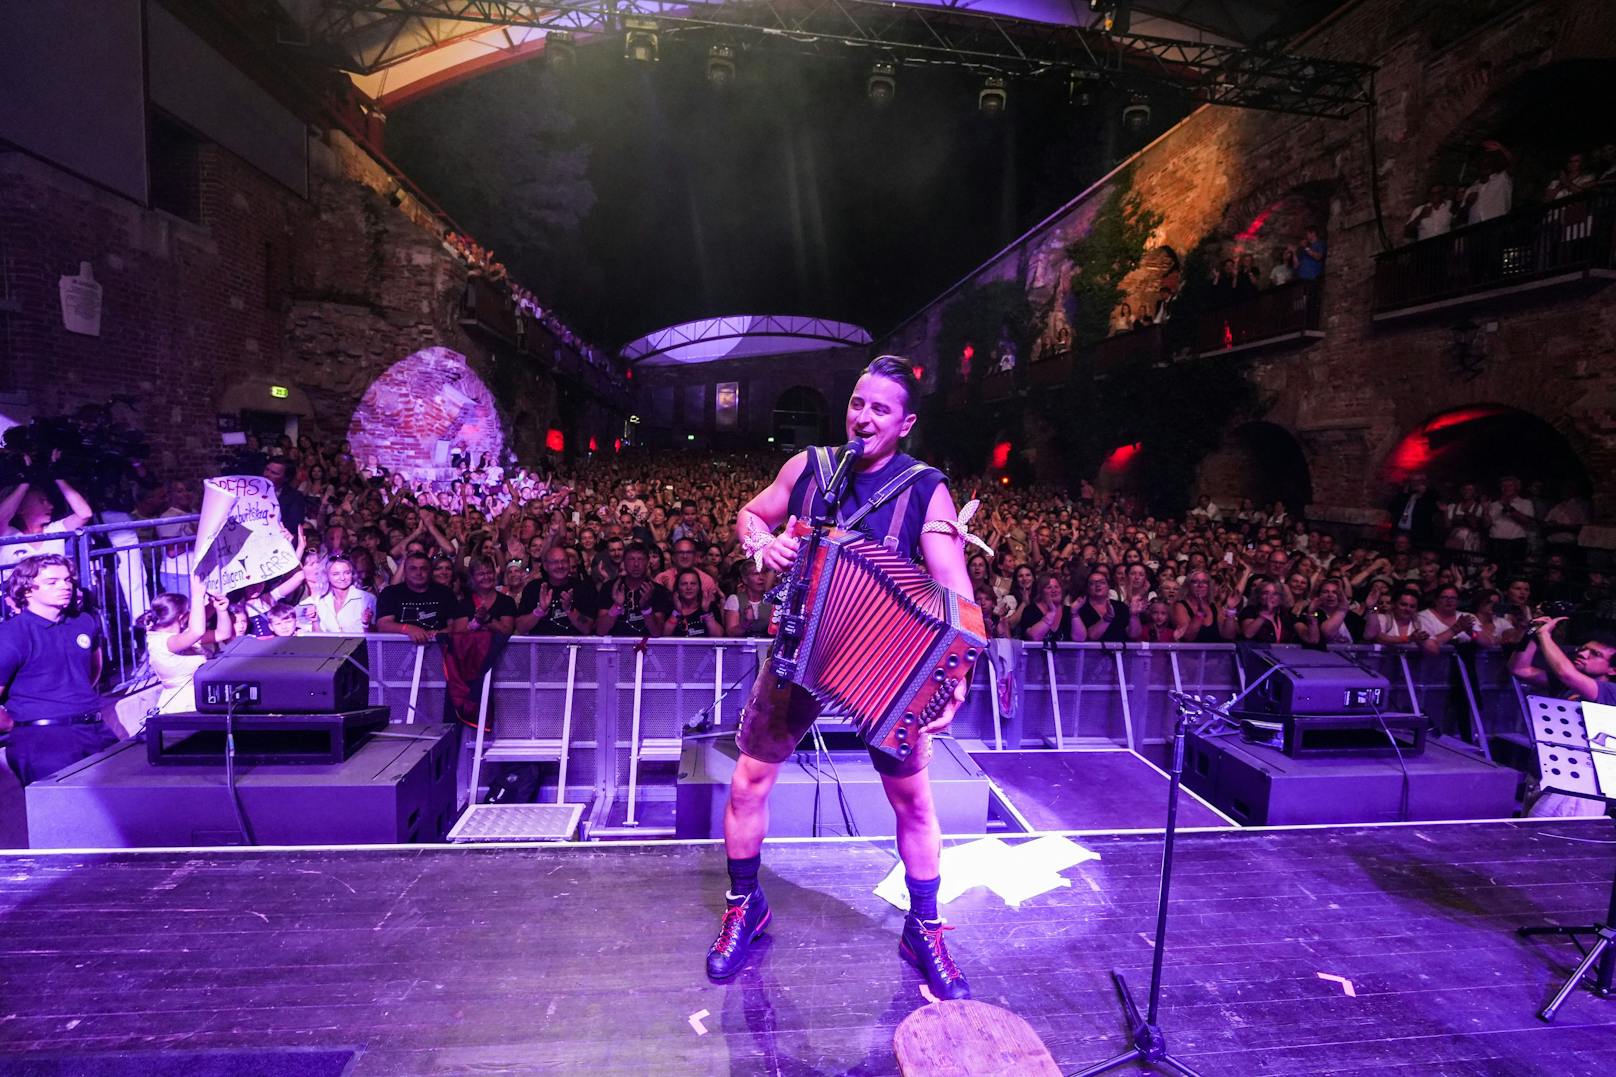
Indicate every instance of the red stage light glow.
{"type": "Point", "coordinates": [1415, 452]}
{"type": "Point", "coordinates": [1121, 456]}
{"type": "Point", "coordinates": [1000, 458]}
{"type": "Point", "coordinates": [555, 441]}
{"type": "Point", "coordinates": [617, 445]}
{"type": "Point", "coordinates": [592, 446]}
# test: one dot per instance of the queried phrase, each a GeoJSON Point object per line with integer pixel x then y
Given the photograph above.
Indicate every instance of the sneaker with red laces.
{"type": "Point", "coordinates": [923, 947]}
{"type": "Point", "coordinates": [744, 920]}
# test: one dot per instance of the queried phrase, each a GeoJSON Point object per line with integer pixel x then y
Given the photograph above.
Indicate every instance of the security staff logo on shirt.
{"type": "Point", "coordinates": [83, 641]}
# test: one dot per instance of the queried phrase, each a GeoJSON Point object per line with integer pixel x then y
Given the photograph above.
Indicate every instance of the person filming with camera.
{"type": "Point", "coordinates": [1584, 674]}
{"type": "Point", "coordinates": [28, 507]}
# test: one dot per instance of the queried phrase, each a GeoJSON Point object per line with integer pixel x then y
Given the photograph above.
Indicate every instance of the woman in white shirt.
{"type": "Point", "coordinates": [344, 608]}
{"type": "Point", "coordinates": [1443, 623]}
{"type": "Point", "coordinates": [178, 641]}
{"type": "Point", "coordinates": [747, 612]}
{"type": "Point", "coordinates": [1399, 624]}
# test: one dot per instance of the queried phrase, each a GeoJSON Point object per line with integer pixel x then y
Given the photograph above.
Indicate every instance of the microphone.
{"type": "Point", "coordinates": [844, 467]}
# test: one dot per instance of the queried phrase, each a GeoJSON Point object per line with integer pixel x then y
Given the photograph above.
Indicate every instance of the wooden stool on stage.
{"type": "Point", "coordinates": [969, 1039]}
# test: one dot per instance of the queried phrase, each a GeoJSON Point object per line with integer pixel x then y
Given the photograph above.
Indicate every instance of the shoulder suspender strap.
{"type": "Point", "coordinates": [900, 509]}
{"type": "Point", "coordinates": [817, 475]}
{"type": "Point", "coordinates": [899, 483]}
{"type": "Point", "coordinates": [824, 465]}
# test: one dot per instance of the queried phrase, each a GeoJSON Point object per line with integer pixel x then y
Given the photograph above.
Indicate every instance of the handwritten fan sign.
{"type": "Point", "coordinates": [239, 540]}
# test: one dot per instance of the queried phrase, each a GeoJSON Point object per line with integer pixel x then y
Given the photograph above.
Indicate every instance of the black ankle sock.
{"type": "Point", "coordinates": [743, 874]}
{"type": "Point", "coordinates": [923, 896]}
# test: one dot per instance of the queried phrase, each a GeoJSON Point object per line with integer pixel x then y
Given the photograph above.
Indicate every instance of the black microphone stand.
{"type": "Point", "coordinates": [1149, 1044]}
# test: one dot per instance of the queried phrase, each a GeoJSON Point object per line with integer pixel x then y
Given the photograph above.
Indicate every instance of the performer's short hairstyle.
{"type": "Point", "coordinates": [898, 369]}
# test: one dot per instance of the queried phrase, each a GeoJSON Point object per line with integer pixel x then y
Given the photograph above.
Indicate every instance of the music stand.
{"type": "Point", "coordinates": [1576, 755]}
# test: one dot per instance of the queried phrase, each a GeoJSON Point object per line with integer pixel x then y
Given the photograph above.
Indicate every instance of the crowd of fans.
{"type": "Point", "coordinates": [1233, 280]}
{"type": "Point", "coordinates": [642, 545]}
{"type": "Point", "coordinates": [1492, 194]}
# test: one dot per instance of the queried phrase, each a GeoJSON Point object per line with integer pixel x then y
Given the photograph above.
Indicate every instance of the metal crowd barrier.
{"type": "Point", "coordinates": [602, 709]}
{"type": "Point", "coordinates": [121, 571]}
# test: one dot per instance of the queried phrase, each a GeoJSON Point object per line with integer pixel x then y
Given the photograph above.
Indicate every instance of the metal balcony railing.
{"type": "Point", "coordinates": [1287, 314]}
{"type": "Point", "coordinates": [1570, 240]}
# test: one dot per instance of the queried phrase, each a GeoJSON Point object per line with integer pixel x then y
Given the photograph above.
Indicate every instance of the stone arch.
{"type": "Point", "coordinates": [1481, 443]}
{"type": "Point", "coordinates": [801, 416]}
{"type": "Point", "coordinates": [1260, 460]}
{"type": "Point", "coordinates": [413, 416]}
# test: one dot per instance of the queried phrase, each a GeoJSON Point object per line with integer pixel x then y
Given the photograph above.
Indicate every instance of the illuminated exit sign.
{"type": "Point", "coordinates": [279, 392]}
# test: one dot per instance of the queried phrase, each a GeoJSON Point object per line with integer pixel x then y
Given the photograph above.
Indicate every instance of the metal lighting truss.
{"type": "Point", "coordinates": [372, 34]}
{"type": "Point", "coordinates": [713, 330]}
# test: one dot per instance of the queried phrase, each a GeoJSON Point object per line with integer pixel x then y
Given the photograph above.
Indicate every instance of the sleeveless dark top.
{"type": "Point", "coordinates": [877, 525]}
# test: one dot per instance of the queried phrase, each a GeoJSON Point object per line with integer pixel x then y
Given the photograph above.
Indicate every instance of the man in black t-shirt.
{"type": "Point", "coordinates": [419, 608]}
{"type": "Point", "coordinates": [637, 606]}
{"type": "Point", "coordinates": [558, 603]}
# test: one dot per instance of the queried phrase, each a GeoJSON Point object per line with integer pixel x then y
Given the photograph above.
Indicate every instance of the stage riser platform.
{"type": "Point", "coordinates": [396, 788]}
{"type": "Point", "coordinates": [1259, 786]}
{"type": "Point", "coordinates": [958, 788]}
{"type": "Point", "coordinates": [588, 959]}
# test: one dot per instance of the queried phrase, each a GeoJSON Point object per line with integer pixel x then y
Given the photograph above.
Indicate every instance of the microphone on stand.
{"type": "Point", "coordinates": [844, 467]}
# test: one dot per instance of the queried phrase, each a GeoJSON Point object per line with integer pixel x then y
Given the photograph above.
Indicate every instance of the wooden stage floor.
{"type": "Point", "coordinates": [524, 960]}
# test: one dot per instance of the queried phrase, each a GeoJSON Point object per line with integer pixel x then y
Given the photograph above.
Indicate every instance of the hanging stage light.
{"type": "Point", "coordinates": [1081, 86]}
{"type": "Point", "coordinates": [560, 50]}
{"type": "Point", "coordinates": [640, 40]}
{"type": "Point", "coordinates": [721, 66]}
{"type": "Point", "coordinates": [993, 98]}
{"type": "Point", "coordinates": [882, 85]}
{"type": "Point", "coordinates": [1136, 114]}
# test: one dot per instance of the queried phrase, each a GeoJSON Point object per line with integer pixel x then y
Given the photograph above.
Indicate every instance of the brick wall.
{"type": "Point", "coordinates": [324, 295]}
{"type": "Point", "coordinates": [1348, 398]}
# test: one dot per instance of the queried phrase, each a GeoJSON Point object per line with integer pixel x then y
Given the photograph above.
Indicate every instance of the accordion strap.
{"type": "Point", "coordinates": [824, 464]}
{"type": "Point", "coordinates": [898, 484]}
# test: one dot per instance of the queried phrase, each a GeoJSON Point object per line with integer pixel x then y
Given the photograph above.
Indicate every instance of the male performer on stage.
{"type": "Point", "coordinates": [911, 512]}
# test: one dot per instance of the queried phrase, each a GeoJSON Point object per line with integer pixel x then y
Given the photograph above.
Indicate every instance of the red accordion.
{"type": "Point", "coordinates": [880, 640]}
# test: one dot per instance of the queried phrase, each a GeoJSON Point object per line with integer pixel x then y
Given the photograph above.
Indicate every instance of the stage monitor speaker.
{"type": "Point", "coordinates": [398, 788]}
{"type": "Point", "coordinates": [1317, 682]}
{"type": "Point", "coordinates": [286, 675]}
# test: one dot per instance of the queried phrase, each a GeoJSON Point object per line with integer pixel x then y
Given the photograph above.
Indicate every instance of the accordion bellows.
{"type": "Point", "coordinates": [883, 642]}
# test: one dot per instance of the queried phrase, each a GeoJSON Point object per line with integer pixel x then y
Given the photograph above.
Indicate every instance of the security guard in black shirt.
{"type": "Point", "coordinates": [50, 661]}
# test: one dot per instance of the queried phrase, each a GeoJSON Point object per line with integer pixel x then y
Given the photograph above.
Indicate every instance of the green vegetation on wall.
{"type": "Point", "coordinates": [1104, 256]}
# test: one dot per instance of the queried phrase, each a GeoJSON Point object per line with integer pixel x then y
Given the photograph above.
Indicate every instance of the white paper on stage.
{"type": "Point", "coordinates": [1015, 872]}
{"type": "Point", "coordinates": [1601, 723]}
{"type": "Point", "coordinates": [239, 539]}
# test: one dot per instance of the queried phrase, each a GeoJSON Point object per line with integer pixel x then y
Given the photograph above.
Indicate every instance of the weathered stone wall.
{"type": "Point", "coordinates": [1245, 178]}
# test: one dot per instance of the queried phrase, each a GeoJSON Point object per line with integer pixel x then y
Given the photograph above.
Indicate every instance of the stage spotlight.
{"type": "Point", "coordinates": [640, 40]}
{"type": "Point", "coordinates": [993, 98]}
{"type": "Point", "coordinates": [721, 66]}
{"type": "Point", "coordinates": [1080, 87]}
{"type": "Point", "coordinates": [559, 50]}
{"type": "Point", "coordinates": [882, 85]}
{"type": "Point", "coordinates": [1136, 114]}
